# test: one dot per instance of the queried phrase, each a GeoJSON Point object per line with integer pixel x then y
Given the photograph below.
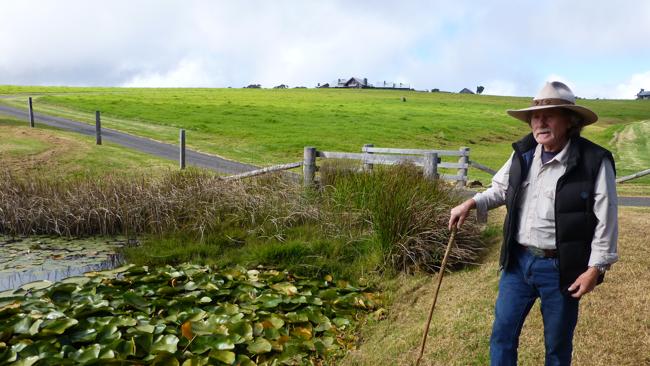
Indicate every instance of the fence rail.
{"type": "Point", "coordinates": [633, 176]}
{"type": "Point", "coordinates": [391, 150]}
{"type": "Point", "coordinates": [429, 160]}
{"type": "Point", "coordinates": [269, 169]}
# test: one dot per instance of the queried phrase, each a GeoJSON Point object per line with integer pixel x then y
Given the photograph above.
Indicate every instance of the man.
{"type": "Point", "coordinates": [560, 230]}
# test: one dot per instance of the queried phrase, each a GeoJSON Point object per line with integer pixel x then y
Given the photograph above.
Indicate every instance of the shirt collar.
{"type": "Point", "coordinates": [561, 157]}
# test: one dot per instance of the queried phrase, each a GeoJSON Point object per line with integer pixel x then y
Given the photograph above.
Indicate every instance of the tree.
{"type": "Point", "coordinates": [479, 89]}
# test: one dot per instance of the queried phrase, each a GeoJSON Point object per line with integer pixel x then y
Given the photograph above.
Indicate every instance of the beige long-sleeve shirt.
{"type": "Point", "coordinates": [537, 205]}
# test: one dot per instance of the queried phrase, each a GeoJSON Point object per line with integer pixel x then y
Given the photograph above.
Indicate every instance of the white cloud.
{"type": "Point", "coordinates": [188, 73]}
{"type": "Point", "coordinates": [629, 88]}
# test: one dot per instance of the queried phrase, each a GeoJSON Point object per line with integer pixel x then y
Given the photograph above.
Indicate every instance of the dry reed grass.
{"type": "Point", "coordinates": [188, 201]}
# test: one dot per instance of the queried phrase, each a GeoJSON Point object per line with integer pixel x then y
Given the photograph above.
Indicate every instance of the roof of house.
{"type": "Point", "coordinates": [466, 91]}
{"type": "Point", "coordinates": [645, 93]}
{"type": "Point", "coordinates": [359, 81]}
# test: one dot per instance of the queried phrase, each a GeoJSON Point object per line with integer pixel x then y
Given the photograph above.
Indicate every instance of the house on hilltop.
{"type": "Point", "coordinates": [643, 94]}
{"type": "Point", "coordinates": [353, 83]}
{"type": "Point", "coordinates": [466, 91]}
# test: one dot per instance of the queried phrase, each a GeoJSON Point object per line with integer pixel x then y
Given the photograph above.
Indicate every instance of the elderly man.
{"type": "Point", "coordinates": [560, 230]}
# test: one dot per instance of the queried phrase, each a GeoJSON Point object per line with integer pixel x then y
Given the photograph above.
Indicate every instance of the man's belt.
{"type": "Point", "coordinates": [538, 252]}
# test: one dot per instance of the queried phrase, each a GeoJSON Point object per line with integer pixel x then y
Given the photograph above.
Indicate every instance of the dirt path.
{"type": "Point", "coordinates": [160, 149]}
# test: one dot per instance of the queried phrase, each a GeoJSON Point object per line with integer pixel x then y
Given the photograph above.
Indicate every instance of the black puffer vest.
{"type": "Point", "coordinates": [575, 221]}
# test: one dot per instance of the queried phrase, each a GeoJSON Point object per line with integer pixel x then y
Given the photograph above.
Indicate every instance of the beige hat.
{"type": "Point", "coordinates": [555, 95]}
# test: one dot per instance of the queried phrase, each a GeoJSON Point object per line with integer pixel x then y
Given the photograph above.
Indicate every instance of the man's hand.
{"type": "Point", "coordinates": [584, 283]}
{"type": "Point", "coordinates": [460, 213]}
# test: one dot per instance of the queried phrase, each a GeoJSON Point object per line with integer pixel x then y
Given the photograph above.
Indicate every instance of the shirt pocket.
{"type": "Point", "coordinates": [546, 203]}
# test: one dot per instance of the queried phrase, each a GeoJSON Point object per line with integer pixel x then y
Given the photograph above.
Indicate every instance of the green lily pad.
{"type": "Point", "coordinates": [29, 361]}
{"type": "Point", "coordinates": [87, 354]}
{"type": "Point", "coordinates": [84, 335]}
{"type": "Point", "coordinates": [286, 288]}
{"type": "Point", "coordinates": [136, 301]}
{"type": "Point", "coordinates": [165, 343]}
{"type": "Point", "coordinates": [259, 346]}
{"type": "Point", "coordinates": [36, 285]}
{"type": "Point", "coordinates": [57, 326]}
{"type": "Point", "coordinates": [226, 357]}
{"type": "Point", "coordinates": [7, 355]}
{"type": "Point", "coordinates": [165, 359]}
{"type": "Point", "coordinates": [197, 361]}
{"type": "Point", "coordinates": [211, 342]}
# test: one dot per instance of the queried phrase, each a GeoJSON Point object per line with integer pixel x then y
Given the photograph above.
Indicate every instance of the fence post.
{"type": "Point", "coordinates": [31, 113]}
{"type": "Point", "coordinates": [430, 166]}
{"type": "Point", "coordinates": [462, 172]}
{"type": "Point", "coordinates": [98, 128]}
{"type": "Point", "coordinates": [309, 166]}
{"type": "Point", "coordinates": [367, 167]}
{"type": "Point", "coordinates": [182, 149]}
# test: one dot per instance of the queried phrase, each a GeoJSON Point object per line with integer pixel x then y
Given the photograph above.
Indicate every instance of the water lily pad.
{"type": "Point", "coordinates": [165, 359]}
{"type": "Point", "coordinates": [86, 354]}
{"type": "Point", "coordinates": [259, 346]}
{"type": "Point", "coordinates": [197, 361]}
{"type": "Point", "coordinates": [226, 357]}
{"type": "Point", "coordinates": [165, 343]}
{"type": "Point", "coordinates": [57, 326]}
{"type": "Point", "coordinates": [286, 288]}
{"type": "Point", "coordinates": [211, 342]}
{"type": "Point", "coordinates": [136, 301]}
{"type": "Point", "coordinates": [36, 285]}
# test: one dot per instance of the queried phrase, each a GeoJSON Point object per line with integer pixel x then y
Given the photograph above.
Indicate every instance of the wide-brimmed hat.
{"type": "Point", "coordinates": [555, 95]}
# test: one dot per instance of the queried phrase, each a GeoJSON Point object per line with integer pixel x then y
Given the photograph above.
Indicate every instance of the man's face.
{"type": "Point", "coordinates": [550, 128]}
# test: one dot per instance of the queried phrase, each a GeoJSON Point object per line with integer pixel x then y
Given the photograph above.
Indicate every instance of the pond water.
{"type": "Point", "coordinates": [24, 260]}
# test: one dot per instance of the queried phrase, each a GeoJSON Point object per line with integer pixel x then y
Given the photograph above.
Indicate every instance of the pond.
{"type": "Point", "coordinates": [24, 260]}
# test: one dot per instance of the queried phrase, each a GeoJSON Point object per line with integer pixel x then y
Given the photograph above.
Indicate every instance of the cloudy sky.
{"type": "Point", "coordinates": [599, 47]}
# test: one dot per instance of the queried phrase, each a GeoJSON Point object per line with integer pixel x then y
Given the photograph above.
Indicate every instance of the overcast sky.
{"type": "Point", "coordinates": [601, 48]}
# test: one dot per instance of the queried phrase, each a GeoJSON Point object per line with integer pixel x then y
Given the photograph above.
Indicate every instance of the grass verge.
{"type": "Point", "coordinates": [52, 152]}
{"type": "Point", "coordinates": [613, 329]}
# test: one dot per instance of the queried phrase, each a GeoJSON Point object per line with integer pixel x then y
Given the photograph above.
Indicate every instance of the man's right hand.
{"type": "Point", "coordinates": [459, 213]}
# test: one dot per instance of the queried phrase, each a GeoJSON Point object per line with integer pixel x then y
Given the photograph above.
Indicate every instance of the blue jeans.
{"type": "Point", "coordinates": [527, 278]}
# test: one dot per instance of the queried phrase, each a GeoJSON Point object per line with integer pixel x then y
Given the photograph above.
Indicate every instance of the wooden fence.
{"type": "Point", "coordinates": [429, 160]}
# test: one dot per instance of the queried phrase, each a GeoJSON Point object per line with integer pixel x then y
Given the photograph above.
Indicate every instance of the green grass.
{"type": "Point", "coordinates": [272, 126]}
{"type": "Point", "coordinates": [54, 152]}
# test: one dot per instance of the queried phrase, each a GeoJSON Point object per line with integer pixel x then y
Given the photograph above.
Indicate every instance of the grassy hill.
{"type": "Point", "coordinates": [272, 126]}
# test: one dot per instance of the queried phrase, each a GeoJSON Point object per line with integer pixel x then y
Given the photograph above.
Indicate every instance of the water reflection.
{"type": "Point", "coordinates": [53, 259]}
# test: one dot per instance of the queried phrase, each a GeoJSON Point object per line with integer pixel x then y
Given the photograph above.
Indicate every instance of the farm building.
{"type": "Point", "coordinates": [363, 84]}
{"type": "Point", "coordinates": [466, 91]}
{"type": "Point", "coordinates": [353, 83]}
{"type": "Point", "coordinates": [643, 94]}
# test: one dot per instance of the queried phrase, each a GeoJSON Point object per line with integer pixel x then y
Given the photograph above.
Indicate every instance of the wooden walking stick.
{"type": "Point", "coordinates": [452, 239]}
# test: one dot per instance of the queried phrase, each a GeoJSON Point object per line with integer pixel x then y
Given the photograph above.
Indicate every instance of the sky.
{"type": "Point", "coordinates": [600, 48]}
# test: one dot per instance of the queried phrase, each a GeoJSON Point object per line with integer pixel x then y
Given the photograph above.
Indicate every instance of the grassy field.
{"type": "Point", "coordinates": [272, 126]}
{"type": "Point", "coordinates": [614, 325]}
